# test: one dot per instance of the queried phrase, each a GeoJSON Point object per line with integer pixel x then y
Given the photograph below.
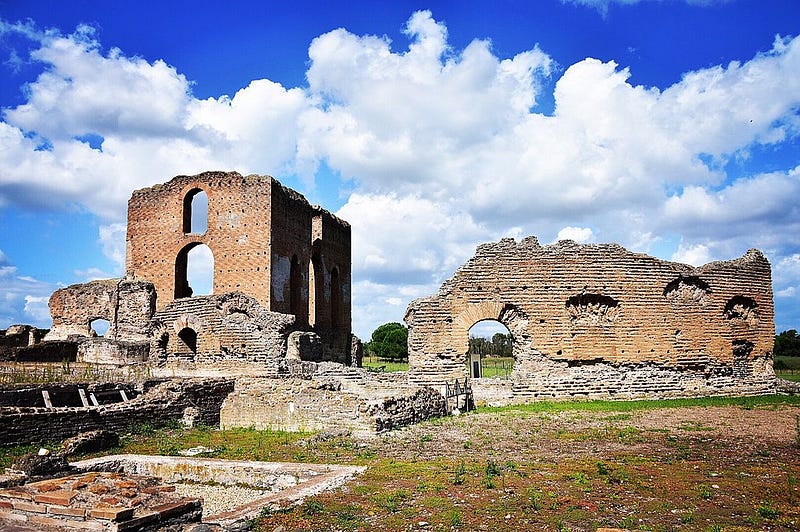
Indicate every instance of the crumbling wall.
{"type": "Point", "coordinates": [127, 305]}
{"type": "Point", "coordinates": [597, 320]}
{"type": "Point", "coordinates": [19, 336]}
{"type": "Point", "coordinates": [229, 334]}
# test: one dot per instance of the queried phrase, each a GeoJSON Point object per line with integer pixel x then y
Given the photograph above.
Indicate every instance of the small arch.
{"type": "Point", "coordinates": [187, 341]}
{"type": "Point", "coordinates": [99, 327]}
{"type": "Point", "coordinates": [194, 271]}
{"type": "Point", "coordinates": [195, 212]}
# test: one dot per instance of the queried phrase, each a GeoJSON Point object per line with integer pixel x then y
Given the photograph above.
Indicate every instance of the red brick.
{"type": "Point", "coordinates": [62, 497]}
{"type": "Point", "coordinates": [66, 510]}
{"type": "Point", "coordinates": [66, 523]}
{"type": "Point", "coordinates": [112, 514]}
{"type": "Point", "coordinates": [16, 494]}
{"type": "Point", "coordinates": [30, 507]}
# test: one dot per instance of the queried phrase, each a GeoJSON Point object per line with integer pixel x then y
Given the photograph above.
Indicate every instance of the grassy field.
{"type": "Point", "coordinates": [694, 464]}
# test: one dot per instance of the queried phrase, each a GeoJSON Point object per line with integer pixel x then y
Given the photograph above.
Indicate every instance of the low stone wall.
{"type": "Point", "coordinates": [599, 380]}
{"type": "Point", "coordinates": [160, 402]}
{"type": "Point", "coordinates": [297, 404]}
{"type": "Point", "coordinates": [56, 351]}
{"type": "Point", "coordinates": [62, 395]}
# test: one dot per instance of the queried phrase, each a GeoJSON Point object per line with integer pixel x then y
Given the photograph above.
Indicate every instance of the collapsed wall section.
{"type": "Point", "coordinates": [598, 320]}
{"type": "Point", "coordinates": [126, 304]}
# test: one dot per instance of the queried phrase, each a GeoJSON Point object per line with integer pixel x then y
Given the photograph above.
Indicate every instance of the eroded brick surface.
{"type": "Point", "coordinates": [601, 321]}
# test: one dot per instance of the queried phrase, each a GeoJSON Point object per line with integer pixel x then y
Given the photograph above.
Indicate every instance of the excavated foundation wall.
{"type": "Point", "coordinates": [161, 402]}
{"type": "Point", "coordinates": [600, 321]}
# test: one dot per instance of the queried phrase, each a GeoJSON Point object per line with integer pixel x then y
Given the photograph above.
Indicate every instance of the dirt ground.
{"type": "Point", "coordinates": [699, 468]}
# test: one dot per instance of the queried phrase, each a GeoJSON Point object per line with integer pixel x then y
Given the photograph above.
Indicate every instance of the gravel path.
{"type": "Point", "coordinates": [219, 498]}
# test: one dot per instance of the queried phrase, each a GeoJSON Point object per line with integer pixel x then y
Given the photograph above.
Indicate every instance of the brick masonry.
{"type": "Point", "coordinates": [600, 321]}
{"type": "Point", "coordinates": [267, 242]}
{"type": "Point", "coordinates": [105, 501]}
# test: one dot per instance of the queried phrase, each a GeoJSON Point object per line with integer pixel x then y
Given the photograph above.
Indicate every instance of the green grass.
{"type": "Point", "coordinates": [383, 365]}
{"type": "Point", "coordinates": [627, 406]}
{"type": "Point", "coordinates": [788, 376]}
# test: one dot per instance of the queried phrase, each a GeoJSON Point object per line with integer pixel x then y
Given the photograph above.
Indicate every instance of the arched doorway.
{"type": "Point", "coordinates": [187, 342]}
{"type": "Point", "coordinates": [491, 350]}
{"type": "Point", "coordinates": [194, 271]}
{"type": "Point", "coordinates": [296, 306]}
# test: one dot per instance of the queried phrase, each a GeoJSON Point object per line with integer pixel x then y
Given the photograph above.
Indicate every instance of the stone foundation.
{"type": "Point", "coordinates": [335, 398]}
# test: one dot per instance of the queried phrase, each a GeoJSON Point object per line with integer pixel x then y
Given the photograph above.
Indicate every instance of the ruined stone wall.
{"type": "Point", "coordinates": [127, 305]}
{"type": "Point", "coordinates": [19, 336]}
{"type": "Point", "coordinates": [600, 321]}
{"type": "Point", "coordinates": [332, 301]}
{"type": "Point", "coordinates": [160, 403]}
{"type": "Point", "coordinates": [228, 334]}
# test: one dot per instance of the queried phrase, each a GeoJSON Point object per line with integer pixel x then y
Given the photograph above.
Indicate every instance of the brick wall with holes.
{"type": "Point", "coordinates": [598, 320]}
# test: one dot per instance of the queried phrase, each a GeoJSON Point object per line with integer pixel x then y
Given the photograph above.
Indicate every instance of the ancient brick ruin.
{"type": "Point", "coordinates": [279, 265]}
{"type": "Point", "coordinates": [600, 321]}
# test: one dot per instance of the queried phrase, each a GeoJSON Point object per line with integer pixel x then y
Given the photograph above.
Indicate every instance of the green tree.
{"type": "Point", "coordinates": [389, 341]}
{"type": "Point", "coordinates": [787, 344]}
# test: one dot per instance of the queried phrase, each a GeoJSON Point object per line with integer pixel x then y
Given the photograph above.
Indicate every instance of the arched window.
{"type": "Point", "coordinates": [295, 291]}
{"type": "Point", "coordinates": [194, 271]}
{"type": "Point", "coordinates": [195, 212]}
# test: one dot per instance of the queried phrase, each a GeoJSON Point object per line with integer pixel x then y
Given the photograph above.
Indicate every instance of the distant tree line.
{"type": "Point", "coordinates": [787, 344]}
{"type": "Point", "coordinates": [501, 345]}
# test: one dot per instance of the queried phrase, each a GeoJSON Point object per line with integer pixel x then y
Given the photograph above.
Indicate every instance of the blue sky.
{"type": "Point", "coordinates": [668, 126]}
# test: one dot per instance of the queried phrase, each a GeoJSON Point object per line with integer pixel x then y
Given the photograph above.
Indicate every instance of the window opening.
{"type": "Point", "coordinates": [195, 212]}
{"type": "Point", "coordinates": [99, 327]}
{"type": "Point", "coordinates": [194, 271]}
